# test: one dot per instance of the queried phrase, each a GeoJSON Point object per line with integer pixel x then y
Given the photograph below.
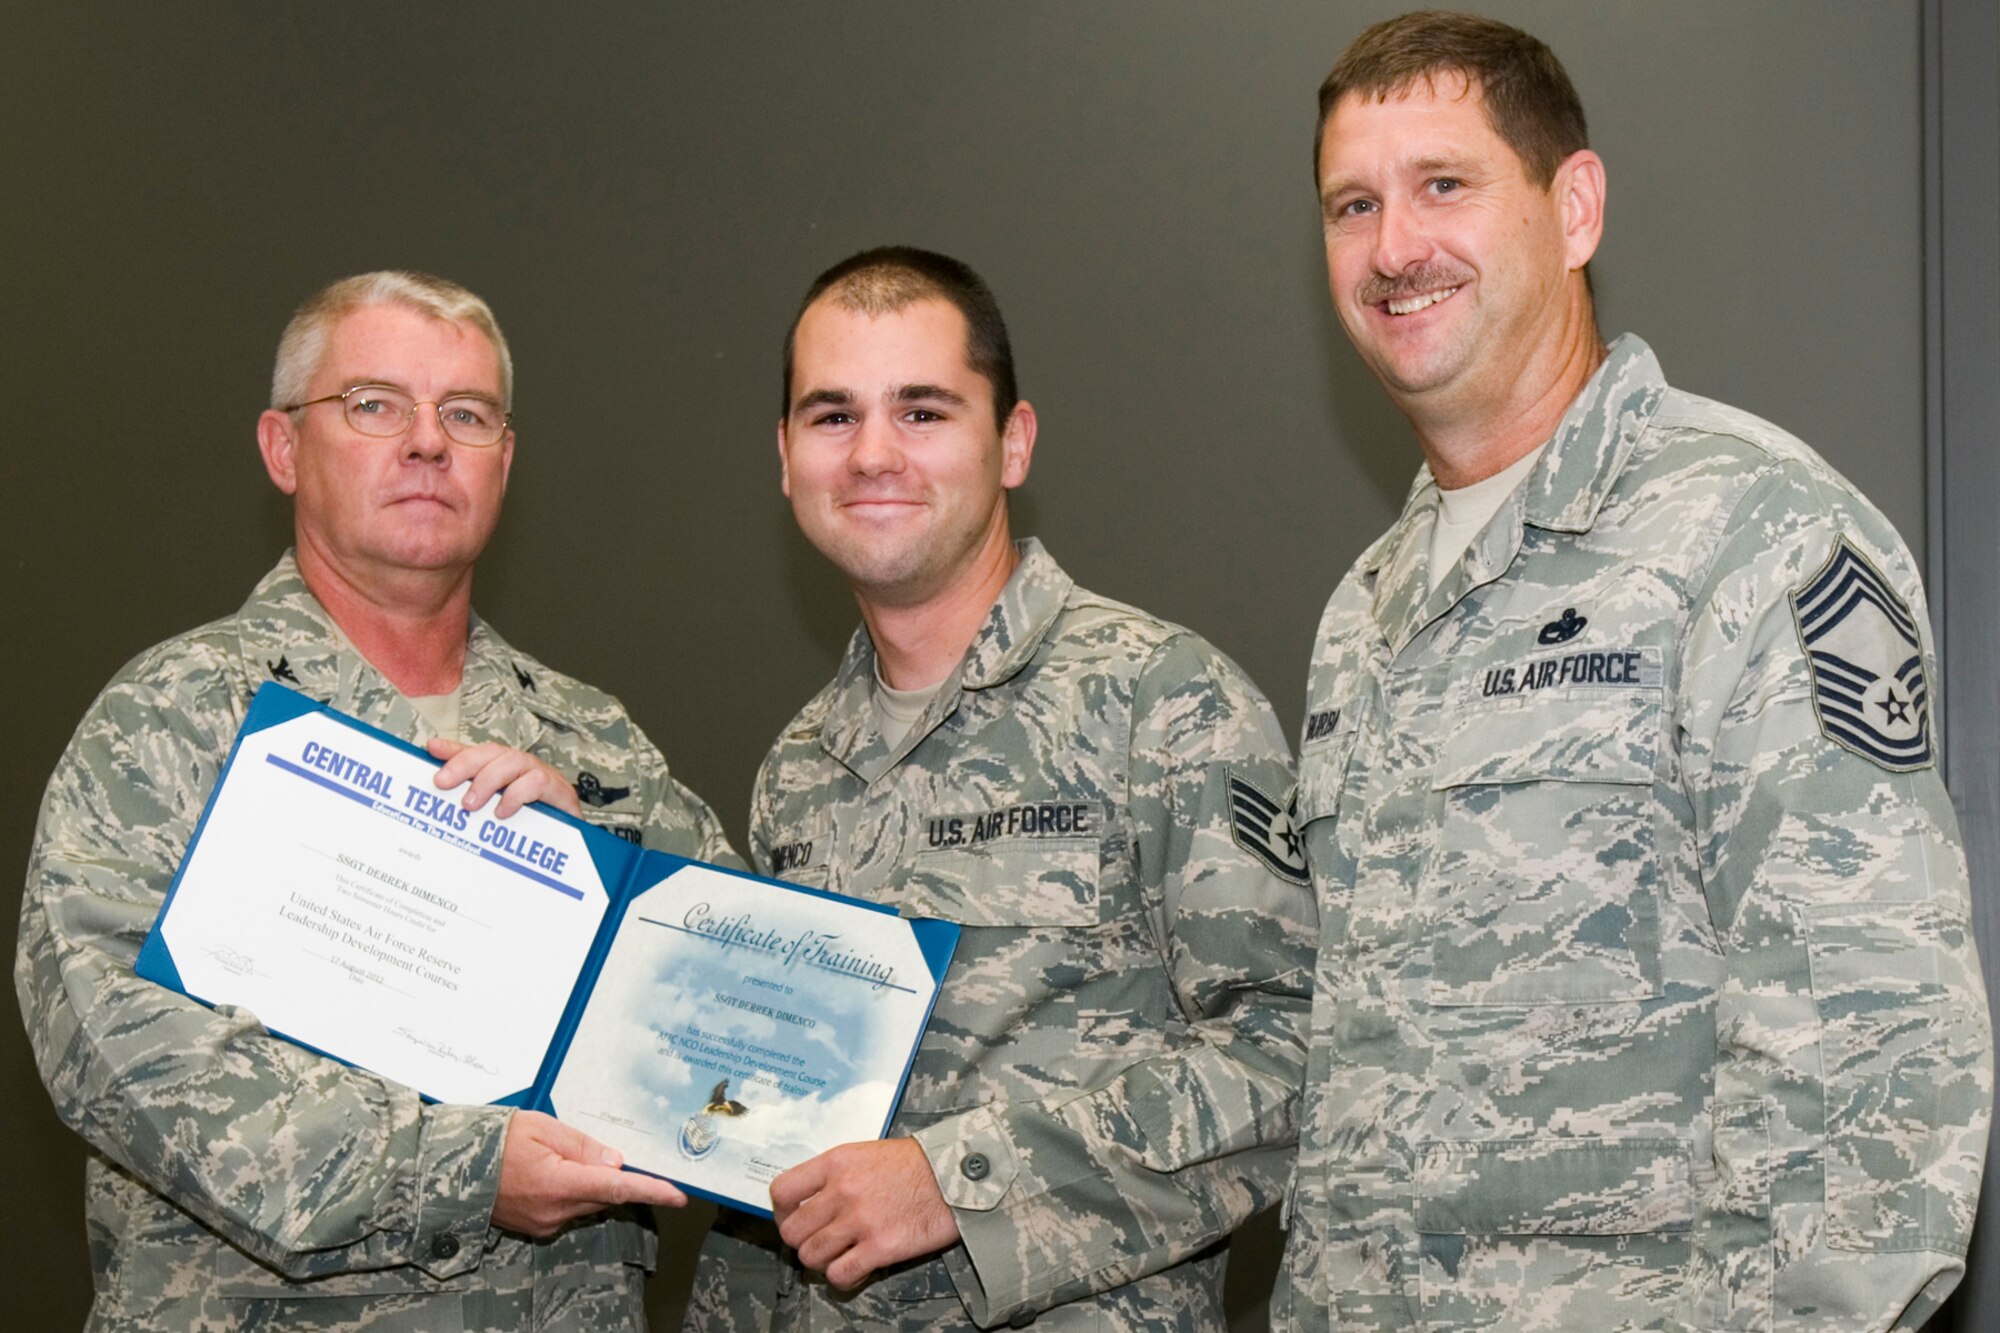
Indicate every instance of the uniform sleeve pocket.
{"type": "Point", "coordinates": [1544, 881]}
{"type": "Point", "coordinates": [1902, 1067]}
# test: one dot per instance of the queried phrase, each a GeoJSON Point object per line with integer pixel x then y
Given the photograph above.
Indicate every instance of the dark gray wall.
{"type": "Point", "coordinates": [642, 193]}
{"type": "Point", "coordinates": [1962, 411]}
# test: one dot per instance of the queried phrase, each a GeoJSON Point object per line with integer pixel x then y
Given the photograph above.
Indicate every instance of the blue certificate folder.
{"type": "Point", "coordinates": [714, 1026]}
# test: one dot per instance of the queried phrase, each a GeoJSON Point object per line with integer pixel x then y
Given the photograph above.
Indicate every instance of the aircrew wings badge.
{"type": "Point", "coordinates": [1867, 662]}
{"type": "Point", "coordinates": [1264, 829]}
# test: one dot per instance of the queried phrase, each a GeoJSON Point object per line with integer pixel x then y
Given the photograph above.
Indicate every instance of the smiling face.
{"type": "Point", "coordinates": [889, 451]}
{"type": "Point", "coordinates": [370, 510]}
{"type": "Point", "coordinates": [1451, 270]}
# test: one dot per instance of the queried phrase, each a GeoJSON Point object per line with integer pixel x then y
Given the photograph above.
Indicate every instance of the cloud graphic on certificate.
{"type": "Point", "coordinates": [712, 1035]}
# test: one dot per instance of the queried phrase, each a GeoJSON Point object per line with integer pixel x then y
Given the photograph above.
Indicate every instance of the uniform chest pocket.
{"type": "Point", "coordinates": [978, 870]}
{"type": "Point", "coordinates": [1544, 882]}
{"type": "Point", "coordinates": [1325, 790]}
{"type": "Point", "coordinates": [803, 856]}
{"type": "Point", "coordinates": [1323, 777]}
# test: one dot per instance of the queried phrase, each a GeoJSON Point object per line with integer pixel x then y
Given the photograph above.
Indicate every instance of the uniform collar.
{"type": "Point", "coordinates": [1594, 439]}
{"type": "Point", "coordinates": [286, 635]}
{"type": "Point", "coordinates": [1022, 615]}
{"type": "Point", "coordinates": [1563, 493]}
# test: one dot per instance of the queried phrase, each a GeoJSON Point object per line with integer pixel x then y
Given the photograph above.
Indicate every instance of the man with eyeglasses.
{"type": "Point", "coordinates": [236, 1180]}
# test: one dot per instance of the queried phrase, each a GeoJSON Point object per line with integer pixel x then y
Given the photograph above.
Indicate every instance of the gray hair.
{"type": "Point", "coordinates": [304, 340]}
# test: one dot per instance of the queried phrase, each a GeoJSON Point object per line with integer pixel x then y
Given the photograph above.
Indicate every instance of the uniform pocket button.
{"type": "Point", "coordinates": [444, 1245]}
{"type": "Point", "coordinates": [975, 1166]}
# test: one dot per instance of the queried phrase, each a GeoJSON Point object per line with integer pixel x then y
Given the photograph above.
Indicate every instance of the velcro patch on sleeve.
{"type": "Point", "coordinates": [1866, 661]}
{"type": "Point", "coordinates": [1263, 828]}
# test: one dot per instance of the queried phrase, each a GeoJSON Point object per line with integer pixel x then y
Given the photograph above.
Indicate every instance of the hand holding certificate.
{"type": "Point", "coordinates": [714, 1027]}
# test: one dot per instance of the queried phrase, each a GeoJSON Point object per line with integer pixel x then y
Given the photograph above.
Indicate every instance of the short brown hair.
{"type": "Point", "coordinates": [1530, 101]}
{"type": "Point", "coordinates": [891, 277]}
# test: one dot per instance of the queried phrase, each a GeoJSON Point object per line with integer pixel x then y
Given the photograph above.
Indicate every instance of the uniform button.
{"type": "Point", "coordinates": [444, 1245]}
{"type": "Point", "coordinates": [975, 1167]}
{"type": "Point", "coordinates": [1021, 1319]}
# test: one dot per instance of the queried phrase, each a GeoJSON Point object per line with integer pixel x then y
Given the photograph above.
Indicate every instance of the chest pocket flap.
{"type": "Point", "coordinates": [1034, 864]}
{"type": "Point", "coordinates": [1544, 880]}
{"type": "Point", "coordinates": [1585, 736]}
{"type": "Point", "coordinates": [1555, 1187]}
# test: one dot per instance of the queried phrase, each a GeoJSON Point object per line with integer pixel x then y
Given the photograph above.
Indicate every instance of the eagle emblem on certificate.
{"type": "Point", "coordinates": [701, 1133]}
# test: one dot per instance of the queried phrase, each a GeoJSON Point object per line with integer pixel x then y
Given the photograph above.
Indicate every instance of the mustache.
{"type": "Point", "coordinates": [1425, 277]}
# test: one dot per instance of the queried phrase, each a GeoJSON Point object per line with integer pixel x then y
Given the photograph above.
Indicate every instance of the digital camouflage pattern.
{"type": "Point", "coordinates": [237, 1181]}
{"type": "Point", "coordinates": [1110, 1079]}
{"type": "Point", "coordinates": [1643, 1001]}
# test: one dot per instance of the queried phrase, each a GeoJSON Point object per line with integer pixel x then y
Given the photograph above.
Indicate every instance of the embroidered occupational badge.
{"type": "Point", "coordinates": [1867, 662]}
{"type": "Point", "coordinates": [1264, 829]}
{"type": "Point", "coordinates": [1564, 628]}
{"type": "Point", "coordinates": [590, 789]}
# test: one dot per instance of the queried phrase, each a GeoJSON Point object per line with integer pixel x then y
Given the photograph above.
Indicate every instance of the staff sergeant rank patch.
{"type": "Point", "coordinates": [1867, 662]}
{"type": "Point", "coordinates": [1263, 828]}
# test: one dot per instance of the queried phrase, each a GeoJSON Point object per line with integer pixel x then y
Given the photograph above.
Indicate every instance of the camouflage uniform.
{"type": "Point", "coordinates": [1109, 1081]}
{"type": "Point", "coordinates": [237, 1181]}
{"type": "Point", "coordinates": [1646, 996]}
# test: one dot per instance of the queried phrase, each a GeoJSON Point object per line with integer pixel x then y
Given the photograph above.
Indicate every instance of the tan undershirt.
{"type": "Point", "coordinates": [896, 711]}
{"type": "Point", "coordinates": [1463, 512]}
{"type": "Point", "coordinates": [440, 712]}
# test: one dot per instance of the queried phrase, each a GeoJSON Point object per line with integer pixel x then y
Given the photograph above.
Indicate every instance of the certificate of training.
{"type": "Point", "coordinates": [715, 1027]}
{"type": "Point", "coordinates": [737, 1023]}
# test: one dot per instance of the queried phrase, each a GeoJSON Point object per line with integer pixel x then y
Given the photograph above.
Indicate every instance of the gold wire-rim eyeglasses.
{"type": "Point", "coordinates": [465, 418]}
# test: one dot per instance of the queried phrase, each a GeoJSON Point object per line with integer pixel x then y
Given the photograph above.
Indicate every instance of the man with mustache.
{"type": "Point", "coordinates": [1107, 1084]}
{"type": "Point", "coordinates": [1646, 994]}
{"type": "Point", "coordinates": [236, 1180]}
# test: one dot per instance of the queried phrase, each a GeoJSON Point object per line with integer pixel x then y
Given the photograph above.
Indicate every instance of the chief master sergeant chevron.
{"type": "Point", "coordinates": [1107, 1086]}
{"type": "Point", "coordinates": [1646, 996]}
{"type": "Point", "coordinates": [235, 1180]}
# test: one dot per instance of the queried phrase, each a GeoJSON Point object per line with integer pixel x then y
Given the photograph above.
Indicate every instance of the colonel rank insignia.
{"type": "Point", "coordinates": [1263, 828]}
{"type": "Point", "coordinates": [1867, 662]}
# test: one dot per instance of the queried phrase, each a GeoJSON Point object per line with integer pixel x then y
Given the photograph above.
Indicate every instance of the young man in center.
{"type": "Point", "coordinates": [1108, 1085]}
